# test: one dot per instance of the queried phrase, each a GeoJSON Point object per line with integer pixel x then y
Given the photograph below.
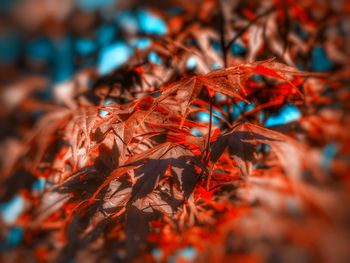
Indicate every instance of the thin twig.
{"type": "Point", "coordinates": [243, 30]}
{"type": "Point", "coordinates": [222, 34]}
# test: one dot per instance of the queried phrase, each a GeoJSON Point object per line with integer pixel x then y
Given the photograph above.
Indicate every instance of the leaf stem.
{"type": "Point", "coordinates": [206, 159]}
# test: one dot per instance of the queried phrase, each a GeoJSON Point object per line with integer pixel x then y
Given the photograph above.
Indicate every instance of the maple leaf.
{"type": "Point", "coordinates": [243, 139]}
{"type": "Point", "coordinates": [151, 169]}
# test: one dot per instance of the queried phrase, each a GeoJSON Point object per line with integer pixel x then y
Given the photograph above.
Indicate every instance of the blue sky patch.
{"type": "Point", "coordinates": [154, 58]}
{"type": "Point", "coordinates": [150, 24]}
{"type": "Point", "coordinates": [12, 209]}
{"type": "Point", "coordinates": [85, 46]}
{"type": "Point", "coordinates": [113, 56]}
{"type": "Point", "coordinates": [319, 60]}
{"type": "Point", "coordinates": [10, 47]}
{"type": "Point", "coordinates": [286, 114]}
{"type": "Point", "coordinates": [191, 62]}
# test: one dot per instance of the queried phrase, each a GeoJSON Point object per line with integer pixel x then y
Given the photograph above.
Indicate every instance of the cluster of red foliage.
{"type": "Point", "coordinates": [134, 174]}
